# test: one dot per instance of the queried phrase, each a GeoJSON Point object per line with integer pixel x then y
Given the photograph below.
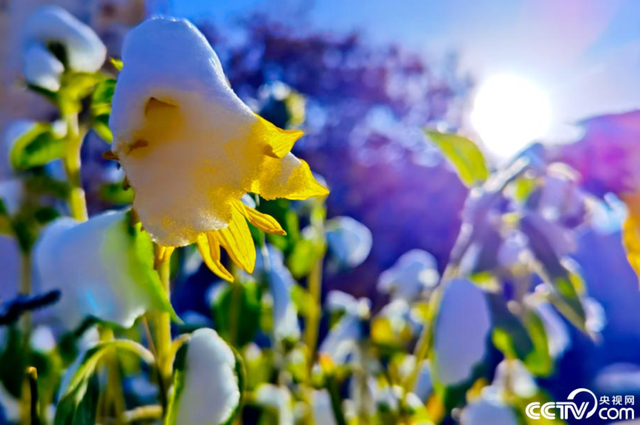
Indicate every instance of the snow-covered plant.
{"type": "Point", "coordinates": [197, 177]}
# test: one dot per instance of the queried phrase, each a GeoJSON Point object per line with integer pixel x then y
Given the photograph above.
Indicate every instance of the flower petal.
{"type": "Point", "coordinates": [41, 68]}
{"type": "Point", "coordinates": [349, 240]}
{"type": "Point", "coordinates": [279, 142]}
{"type": "Point", "coordinates": [84, 50]}
{"type": "Point", "coordinates": [463, 310]}
{"type": "Point", "coordinates": [104, 268]}
{"type": "Point", "coordinates": [488, 409]}
{"type": "Point", "coordinates": [289, 178]}
{"type": "Point", "coordinates": [209, 248]}
{"type": "Point", "coordinates": [264, 222]}
{"type": "Point", "coordinates": [237, 240]}
{"type": "Point", "coordinates": [415, 271]}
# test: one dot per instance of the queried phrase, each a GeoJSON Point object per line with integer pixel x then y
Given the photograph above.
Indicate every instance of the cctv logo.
{"type": "Point", "coordinates": [577, 410]}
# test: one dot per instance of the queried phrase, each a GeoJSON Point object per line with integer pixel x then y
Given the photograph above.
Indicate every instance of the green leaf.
{"type": "Point", "coordinates": [509, 334]}
{"type": "Point", "coordinates": [80, 407]}
{"type": "Point", "coordinates": [12, 377]}
{"type": "Point", "coordinates": [539, 360]}
{"type": "Point", "coordinates": [115, 194]}
{"type": "Point", "coordinates": [566, 299]}
{"type": "Point", "coordinates": [237, 311]}
{"type": "Point", "coordinates": [36, 147]}
{"type": "Point", "coordinates": [522, 337]}
{"type": "Point", "coordinates": [44, 185]}
{"type": "Point", "coordinates": [5, 220]}
{"type": "Point", "coordinates": [100, 125]}
{"type": "Point", "coordinates": [302, 258]}
{"type": "Point", "coordinates": [79, 85]}
{"type": "Point", "coordinates": [101, 108]}
{"type": "Point", "coordinates": [463, 154]}
{"type": "Point", "coordinates": [79, 391]}
{"type": "Point", "coordinates": [141, 267]}
{"type": "Point", "coordinates": [179, 375]}
{"type": "Point", "coordinates": [302, 300]}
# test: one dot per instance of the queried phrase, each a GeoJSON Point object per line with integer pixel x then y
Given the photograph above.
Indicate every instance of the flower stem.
{"type": "Point", "coordinates": [163, 332]}
{"type": "Point", "coordinates": [234, 313]}
{"type": "Point", "coordinates": [25, 289]}
{"type": "Point", "coordinates": [71, 161]}
{"type": "Point", "coordinates": [314, 283]}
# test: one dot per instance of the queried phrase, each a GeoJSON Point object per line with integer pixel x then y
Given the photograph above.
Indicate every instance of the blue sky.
{"type": "Point", "coordinates": [586, 53]}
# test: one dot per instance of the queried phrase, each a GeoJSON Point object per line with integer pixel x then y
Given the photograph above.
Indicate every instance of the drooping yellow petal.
{"type": "Point", "coordinates": [264, 222]}
{"type": "Point", "coordinates": [631, 231]}
{"type": "Point", "coordinates": [289, 178]}
{"type": "Point", "coordinates": [237, 240]}
{"type": "Point", "coordinates": [279, 141]}
{"type": "Point", "coordinates": [209, 248]}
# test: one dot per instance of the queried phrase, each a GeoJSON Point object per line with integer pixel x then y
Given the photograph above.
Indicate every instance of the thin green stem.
{"type": "Point", "coordinates": [163, 343]}
{"type": "Point", "coordinates": [25, 289]}
{"type": "Point", "coordinates": [71, 161]}
{"type": "Point", "coordinates": [424, 341]}
{"type": "Point", "coordinates": [314, 284]}
{"type": "Point", "coordinates": [234, 312]}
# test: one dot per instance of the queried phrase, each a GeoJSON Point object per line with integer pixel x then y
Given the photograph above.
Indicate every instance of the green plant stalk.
{"type": "Point", "coordinates": [71, 161]}
{"type": "Point", "coordinates": [25, 289]}
{"type": "Point", "coordinates": [234, 312]}
{"type": "Point", "coordinates": [314, 283]}
{"type": "Point", "coordinates": [162, 327]}
{"type": "Point", "coordinates": [26, 404]}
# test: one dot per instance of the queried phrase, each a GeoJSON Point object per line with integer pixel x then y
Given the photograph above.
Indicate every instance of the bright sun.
{"type": "Point", "coordinates": [509, 112]}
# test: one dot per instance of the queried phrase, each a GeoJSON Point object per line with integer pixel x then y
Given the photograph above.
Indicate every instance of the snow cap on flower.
{"type": "Point", "coordinates": [414, 271]}
{"type": "Point", "coordinates": [462, 327]}
{"type": "Point", "coordinates": [11, 195]}
{"type": "Point", "coordinates": [342, 339]}
{"type": "Point", "coordinates": [103, 267]}
{"type": "Point", "coordinates": [338, 301]}
{"type": "Point", "coordinates": [488, 409]}
{"type": "Point", "coordinates": [349, 241]}
{"type": "Point", "coordinates": [321, 408]}
{"type": "Point", "coordinates": [278, 398]}
{"type": "Point", "coordinates": [512, 375]}
{"type": "Point", "coordinates": [49, 29]}
{"type": "Point", "coordinates": [206, 386]}
{"type": "Point", "coordinates": [191, 148]}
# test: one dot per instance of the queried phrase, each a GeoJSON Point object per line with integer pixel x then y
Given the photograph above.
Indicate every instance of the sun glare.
{"type": "Point", "coordinates": [509, 112]}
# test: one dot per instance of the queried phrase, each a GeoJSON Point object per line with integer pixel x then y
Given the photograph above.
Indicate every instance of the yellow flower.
{"type": "Point", "coordinates": [191, 148]}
